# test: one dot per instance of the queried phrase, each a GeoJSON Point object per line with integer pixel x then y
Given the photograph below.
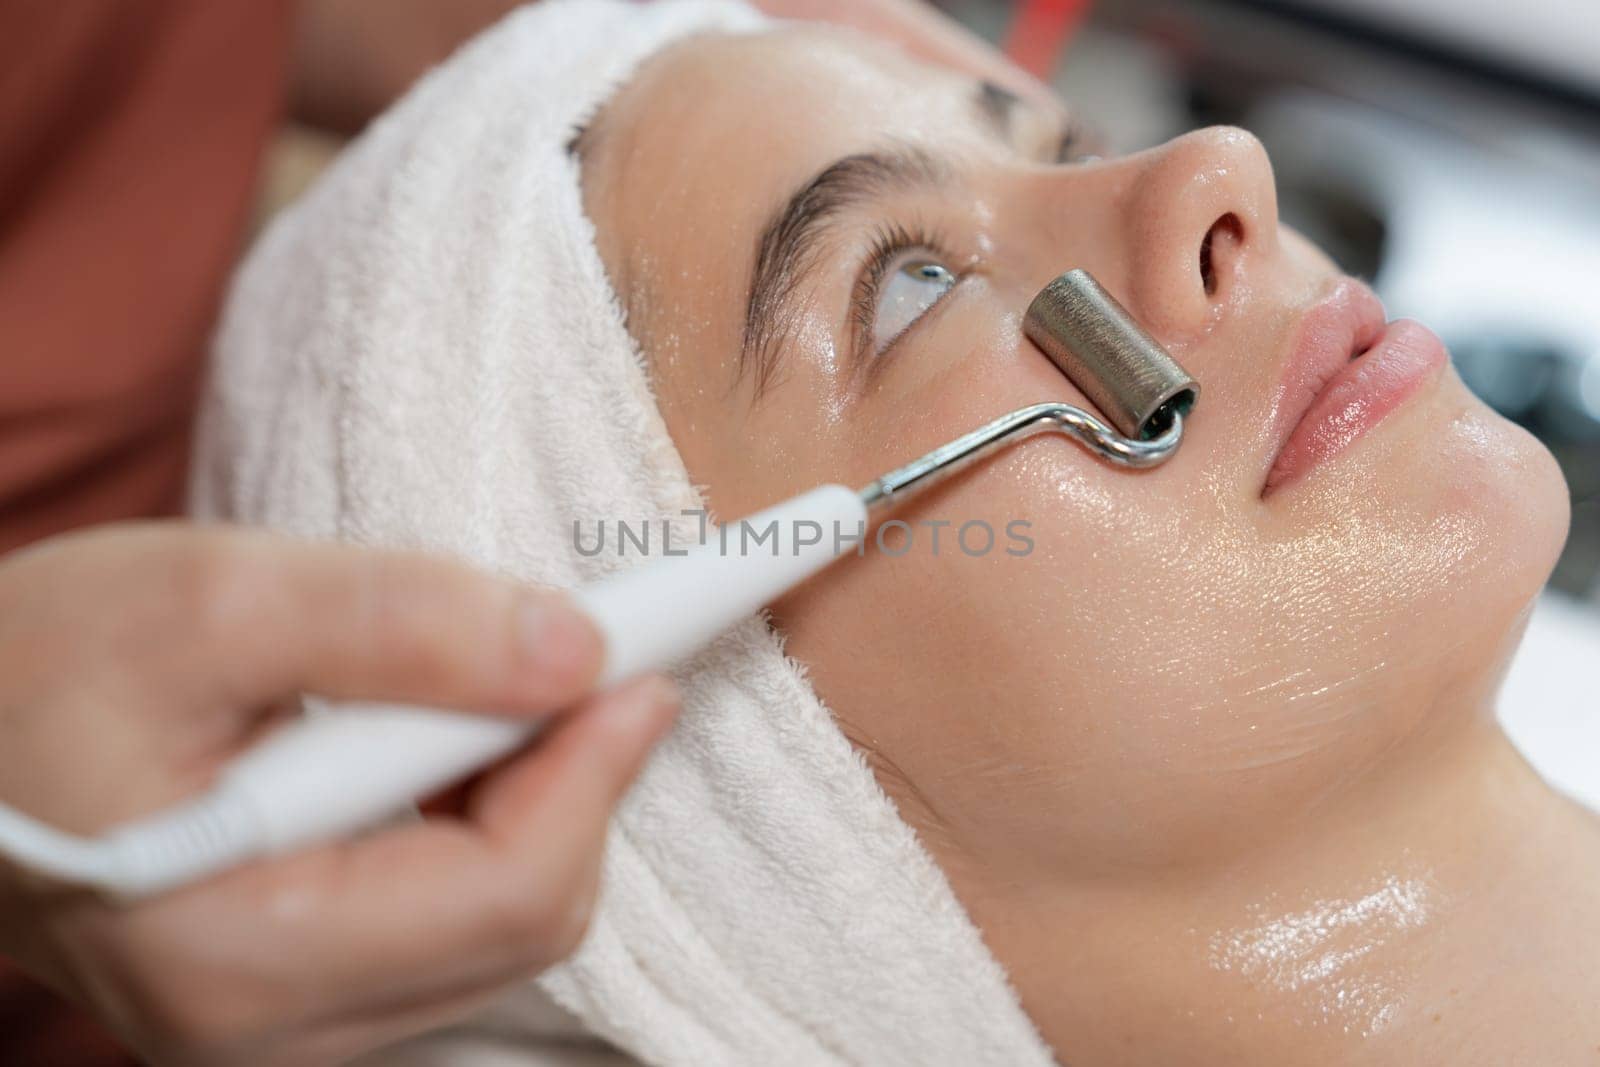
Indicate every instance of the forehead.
{"type": "Point", "coordinates": [695, 154]}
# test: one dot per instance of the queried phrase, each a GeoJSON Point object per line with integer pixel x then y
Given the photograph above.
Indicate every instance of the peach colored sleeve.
{"type": "Point", "coordinates": [130, 139]}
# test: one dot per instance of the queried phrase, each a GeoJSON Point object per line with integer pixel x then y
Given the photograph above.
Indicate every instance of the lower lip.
{"type": "Point", "coordinates": [1405, 357]}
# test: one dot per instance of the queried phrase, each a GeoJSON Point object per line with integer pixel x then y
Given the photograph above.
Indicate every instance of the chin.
{"type": "Point", "coordinates": [1460, 516]}
{"type": "Point", "coordinates": [1496, 497]}
{"type": "Point", "coordinates": [1500, 477]}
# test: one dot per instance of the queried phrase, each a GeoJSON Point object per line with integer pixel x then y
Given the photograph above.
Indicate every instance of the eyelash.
{"type": "Point", "coordinates": [888, 242]}
{"type": "Point", "coordinates": [892, 239]}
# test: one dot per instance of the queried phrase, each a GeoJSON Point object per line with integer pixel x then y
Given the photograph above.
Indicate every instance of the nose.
{"type": "Point", "coordinates": [1200, 213]}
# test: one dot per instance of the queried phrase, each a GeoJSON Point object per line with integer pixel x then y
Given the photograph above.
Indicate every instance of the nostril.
{"type": "Point", "coordinates": [1226, 232]}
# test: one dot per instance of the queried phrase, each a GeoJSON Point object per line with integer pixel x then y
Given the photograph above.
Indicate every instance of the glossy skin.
{"type": "Point", "coordinates": [1184, 674]}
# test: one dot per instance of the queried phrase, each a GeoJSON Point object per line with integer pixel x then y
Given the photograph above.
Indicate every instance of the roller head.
{"type": "Point", "coordinates": [1124, 371]}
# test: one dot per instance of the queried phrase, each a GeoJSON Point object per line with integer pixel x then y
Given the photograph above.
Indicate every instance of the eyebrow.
{"type": "Point", "coordinates": [790, 243]}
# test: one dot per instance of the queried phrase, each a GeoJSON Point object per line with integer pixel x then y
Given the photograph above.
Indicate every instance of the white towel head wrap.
{"type": "Point", "coordinates": [425, 351]}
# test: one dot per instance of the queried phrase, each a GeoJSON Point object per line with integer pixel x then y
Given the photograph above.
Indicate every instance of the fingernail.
{"type": "Point", "coordinates": [559, 644]}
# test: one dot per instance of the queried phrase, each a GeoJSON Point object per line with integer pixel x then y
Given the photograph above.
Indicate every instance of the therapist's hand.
{"type": "Point", "coordinates": [135, 661]}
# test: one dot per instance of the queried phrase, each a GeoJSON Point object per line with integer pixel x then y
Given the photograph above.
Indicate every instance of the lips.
{"type": "Point", "coordinates": [1347, 371]}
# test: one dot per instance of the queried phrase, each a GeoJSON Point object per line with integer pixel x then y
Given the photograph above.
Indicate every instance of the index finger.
{"type": "Point", "coordinates": [280, 616]}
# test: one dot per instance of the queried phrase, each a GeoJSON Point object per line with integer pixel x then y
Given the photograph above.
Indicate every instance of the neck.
{"type": "Point", "coordinates": [1448, 906]}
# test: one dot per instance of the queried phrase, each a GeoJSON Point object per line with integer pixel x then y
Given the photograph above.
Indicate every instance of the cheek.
{"type": "Point", "coordinates": [1004, 665]}
{"type": "Point", "coordinates": [1501, 482]}
{"type": "Point", "coordinates": [1307, 647]}
{"type": "Point", "coordinates": [1168, 670]}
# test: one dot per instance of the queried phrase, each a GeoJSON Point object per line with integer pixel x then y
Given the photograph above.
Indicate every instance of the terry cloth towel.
{"type": "Point", "coordinates": [425, 352]}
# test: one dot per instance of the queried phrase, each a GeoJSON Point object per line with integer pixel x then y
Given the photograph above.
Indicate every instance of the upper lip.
{"type": "Point", "coordinates": [1339, 327]}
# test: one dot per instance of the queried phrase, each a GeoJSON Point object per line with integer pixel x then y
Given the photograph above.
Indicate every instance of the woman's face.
{"type": "Point", "coordinates": [1187, 659]}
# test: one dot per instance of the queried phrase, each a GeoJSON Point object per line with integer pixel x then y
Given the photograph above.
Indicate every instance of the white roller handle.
{"type": "Point", "coordinates": [652, 617]}
{"type": "Point", "coordinates": [343, 771]}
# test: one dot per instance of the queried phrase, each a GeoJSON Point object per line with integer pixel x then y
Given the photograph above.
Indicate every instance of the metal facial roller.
{"type": "Point", "coordinates": [1106, 353]}
{"type": "Point", "coordinates": [1121, 369]}
{"type": "Point", "coordinates": [356, 766]}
